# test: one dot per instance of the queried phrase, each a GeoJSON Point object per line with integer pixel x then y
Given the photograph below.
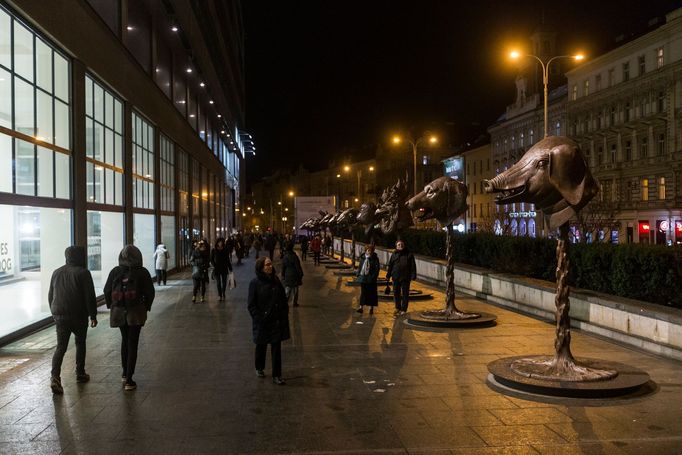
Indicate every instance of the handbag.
{"type": "Point", "coordinates": [387, 290]}
{"type": "Point", "coordinates": [196, 272]}
{"type": "Point", "coordinates": [231, 283]}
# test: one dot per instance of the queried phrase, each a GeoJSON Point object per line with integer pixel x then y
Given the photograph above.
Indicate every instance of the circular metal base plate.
{"type": "Point", "coordinates": [380, 282]}
{"type": "Point", "coordinates": [414, 295]}
{"type": "Point", "coordinates": [347, 272]}
{"type": "Point", "coordinates": [337, 266]}
{"type": "Point", "coordinates": [417, 320]}
{"type": "Point", "coordinates": [628, 380]}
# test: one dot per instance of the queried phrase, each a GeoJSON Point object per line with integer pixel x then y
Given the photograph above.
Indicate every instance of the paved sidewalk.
{"type": "Point", "coordinates": [355, 384]}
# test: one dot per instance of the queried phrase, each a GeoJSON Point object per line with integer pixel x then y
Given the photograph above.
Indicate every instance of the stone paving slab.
{"type": "Point", "coordinates": [356, 383]}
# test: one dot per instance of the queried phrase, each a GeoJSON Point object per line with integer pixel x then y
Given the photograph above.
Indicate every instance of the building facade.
{"type": "Point", "coordinates": [120, 122]}
{"type": "Point", "coordinates": [623, 110]}
{"type": "Point", "coordinates": [477, 168]}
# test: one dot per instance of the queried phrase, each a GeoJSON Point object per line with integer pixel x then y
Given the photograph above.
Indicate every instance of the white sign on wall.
{"type": "Point", "coordinates": [309, 207]}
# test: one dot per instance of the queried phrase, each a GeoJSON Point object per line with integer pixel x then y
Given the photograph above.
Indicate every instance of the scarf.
{"type": "Point", "coordinates": [365, 265]}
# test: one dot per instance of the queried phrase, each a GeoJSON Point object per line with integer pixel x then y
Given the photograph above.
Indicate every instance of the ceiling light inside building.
{"type": "Point", "coordinates": [191, 115]}
{"type": "Point", "coordinates": [189, 70]}
{"type": "Point", "coordinates": [210, 102]}
{"type": "Point", "coordinates": [174, 28]}
{"type": "Point", "coordinates": [201, 84]}
{"type": "Point", "coordinates": [130, 28]}
{"type": "Point", "coordinates": [219, 116]}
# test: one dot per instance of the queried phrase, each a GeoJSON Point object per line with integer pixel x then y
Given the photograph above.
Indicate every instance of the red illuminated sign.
{"type": "Point", "coordinates": [644, 227]}
{"type": "Point", "coordinates": [678, 226]}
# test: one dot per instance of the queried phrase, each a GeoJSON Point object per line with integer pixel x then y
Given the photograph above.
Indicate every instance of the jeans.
{"type": "Point", "coordinates": [316, 257]}
{"type": "Point", "coordinates": [64, 330]}
{"type": "Point", "coordinates": [401, 294]}
{"type": "Point", "coordinates": [221, 280]}
{"type": "Point", "coordinates": [161, 276]}
{"type": "Point", "coordinates": [130, 338]}
{"type": "Point", "coordinates": [291, 290]}
{"type": "Point", "coordinates": [199, 283]}
{"type": "Point", "coordinates": [276, 351]}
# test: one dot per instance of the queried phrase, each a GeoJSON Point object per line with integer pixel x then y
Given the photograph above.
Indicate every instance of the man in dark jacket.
{"type": "Point", "coordinates": [72, 299]}
{"type": "Point", "coordinates": [270, 243]}
{"type": "Point", "coordinates": [292, 273]}
{"type": "Point", "coordinates": [402, 268]}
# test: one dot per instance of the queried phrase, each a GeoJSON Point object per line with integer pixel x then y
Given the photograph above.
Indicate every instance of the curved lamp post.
{"type": "Point", "coordinates": [415, 143]}
{"type": "Point", "coordinates": [545, 73]}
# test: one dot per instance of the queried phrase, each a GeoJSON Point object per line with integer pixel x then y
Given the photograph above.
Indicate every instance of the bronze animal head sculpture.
{"type": "Point", "coordinates": [348, 218]}
{"type": "Point", "coordinates": [392, 213]}
{"type": "Point", "coordinates": [367, 216]}
{"type": "Point", "coordinates": [324, 221]}
{"type": "Point", "coordinates": [553, 175]}
{"type": "Point", "coordinates": [444, 199]}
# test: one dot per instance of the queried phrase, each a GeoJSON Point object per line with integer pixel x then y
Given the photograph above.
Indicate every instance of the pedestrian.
{"type": "Point", "coordinates": [304, 247]}
{"type": "Point", "coordinates": [258, 244]}
{"type": "Point", "coordinates": [239, 248]}
{"type": "Point", "coordinates": [267, 304]}
{"type": "Point", "coordinates": [161, 262]}
{"type": "Point", "coordinates": [402, 268]}
{"type": "Point", "coordinates": [292, 273]}
{"type": "Point", "coordinates": [221, 266]}
{"type": "Point", "coordinates": [248, 241]}
{"type": "Point", "coordinates": [129, 293]}
{"type": "Point", "coordinates": [316, 248]}
{"type": "Point", "coordinates": [200, 261]}
{"type": "Point", "coordinates": [72, 300]}
{"type": "Point", "coordinates": [368, 272]}
{"type": "Point", "coordinates": [270, 243]}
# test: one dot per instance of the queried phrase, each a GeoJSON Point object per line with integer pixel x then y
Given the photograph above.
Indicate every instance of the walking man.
{"type": "Point", "coordinates": [72, 300]}
{"type": "Point", "coordinates": [402, 268]}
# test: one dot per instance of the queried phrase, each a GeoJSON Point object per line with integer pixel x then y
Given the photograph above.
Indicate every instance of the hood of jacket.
{"type": "Point", "coordinates": [76, 255]}
{"type": "Point", "coordinates": [130, 257]}
{"type": "Point", "coordinates": [161, 247]}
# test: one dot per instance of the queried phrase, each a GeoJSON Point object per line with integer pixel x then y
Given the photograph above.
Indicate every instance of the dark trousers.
{"type": "Point", "coordinates": [304, 254]}
{"type": "Point", "coordinates": [130, 339]}
{"type": "Point", "coordinates": [401, 294]}
{"type": "Point", "coordinates": [199, 283]}
{"type": "Point", "coordinates": [64, 330]}
{"type": "Point", "coordinates": [161, 276]}
{"type": "Point", "coordinates": [272, 254]}
{"type": "Point", "coordinates": [221, 280]}
{"type": "Point", "coordinates": [316, 257]}
{"type": "Point", "coordinates": [276, 351]}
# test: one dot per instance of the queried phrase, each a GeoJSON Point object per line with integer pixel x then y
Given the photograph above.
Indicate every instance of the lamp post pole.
{"type": "Point", "coordinates": [415, 145]}
{"type": "Point", "coordinates": [545, 78]}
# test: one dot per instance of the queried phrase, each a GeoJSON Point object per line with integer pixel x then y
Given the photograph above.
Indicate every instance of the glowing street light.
{"type": "Point", "coordinates": [291, 194]}
{"type": "Point", "coordinates": [514, 55]}
{"type": "Point", "coordinates": [426, 137]}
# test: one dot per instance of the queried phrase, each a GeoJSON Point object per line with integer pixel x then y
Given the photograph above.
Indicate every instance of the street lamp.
{"type": "Point", "coordinates": [431, 139]}
{"type": "Point", "coordinates": [545, 73]}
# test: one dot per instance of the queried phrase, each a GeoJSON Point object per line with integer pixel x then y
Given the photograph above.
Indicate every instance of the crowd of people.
{"type": "Point", "coordinates": [129, 293]}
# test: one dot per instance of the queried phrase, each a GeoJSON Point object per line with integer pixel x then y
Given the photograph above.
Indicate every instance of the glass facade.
{"type": "Point", "coordinates": [38, 170]}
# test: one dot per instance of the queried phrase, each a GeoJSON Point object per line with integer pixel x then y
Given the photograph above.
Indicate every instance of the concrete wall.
{"type": "Point", "coordinates": [653, 328]}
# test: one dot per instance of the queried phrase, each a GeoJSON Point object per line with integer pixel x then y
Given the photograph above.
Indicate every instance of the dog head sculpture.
{"type": "Point", "coordinates": [391, 211]}
{"type": "Point", "coordinates": [553, 175]}
{"type": "Point", "coordinates": [444, 199]}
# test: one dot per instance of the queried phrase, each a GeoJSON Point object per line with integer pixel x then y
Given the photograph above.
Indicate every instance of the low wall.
{"type": "Point", "coordinates": [653, 328]}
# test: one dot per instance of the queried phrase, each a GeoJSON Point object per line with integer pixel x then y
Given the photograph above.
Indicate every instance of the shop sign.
{"type": "Point", "coordinates": [530, 214]}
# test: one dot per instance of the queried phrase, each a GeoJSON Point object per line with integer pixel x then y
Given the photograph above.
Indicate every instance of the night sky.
{"type": "Point", "coordinates": [325, 79]}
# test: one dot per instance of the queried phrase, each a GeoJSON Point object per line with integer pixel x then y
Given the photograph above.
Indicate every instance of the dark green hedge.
{"type": "Point", "coordinates": [652, 273]}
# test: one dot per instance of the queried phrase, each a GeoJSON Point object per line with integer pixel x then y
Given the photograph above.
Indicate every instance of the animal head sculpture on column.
{"type": "Point", "coordinates": [553, 175]}
{"type": "Point", "coordinates": [367, 216]}
{"type": "Point", "coordinates": [392, 213]}
{"type": "Point", "coordinates": [444, 199]}
{"type": "Point", "coordinates": [347, 219]}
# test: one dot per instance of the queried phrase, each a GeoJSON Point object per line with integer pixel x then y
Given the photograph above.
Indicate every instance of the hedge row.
{"type": "Point", "coordinates": [651, 273]}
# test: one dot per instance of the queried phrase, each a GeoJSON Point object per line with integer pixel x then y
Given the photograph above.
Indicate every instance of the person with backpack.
{"type": "Point", "coordinates": [72, 299]}
{"type": "Point", "coordinates": [292, 273]}
{"type": "Point", "coordinates": [221, 266]}
{"type": "Point", "coordinates": [129, 293]}
{"type": "Point", "coordinates": [267, 304]}
{"type": "Point", "coordinates": [200, 261]}
{"type": "Point", "coordinates": [161, 262]}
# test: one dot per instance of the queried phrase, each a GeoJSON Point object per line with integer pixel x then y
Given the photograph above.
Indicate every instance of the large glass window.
{"type": "Point", "coordinates": [168, 238]}
{"type": "Point", "coordinates": [32, 244]}
{"type": "Point", "coordinates": [143, 238]}
{"type": "Point", "coordinates": [105, 241]}
{"type": "Point", "coordinates": [143, 163]}
{"type": "Point", "coordinates": [104, 144]}
{"type": "Point", "coordinates": [167, 174]}
{"type": "Point", "coordinates": [34, 109]}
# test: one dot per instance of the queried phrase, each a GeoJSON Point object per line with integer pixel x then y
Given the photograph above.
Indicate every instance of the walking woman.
{"type": "Point", "coordinates": [161, 261]}
{"type": "Point", "coordinates": [129, 293]}
{"type": "Point", "coordinates": [199, 260]}
{"type": "Point", "coordinates": [292, 273]}
{"type": "Point", "coordinates": [222, 265]}
{"type": "Point", "coordinates": [267, 303]}
{"type": "Point", "coordinates": [368, 272]}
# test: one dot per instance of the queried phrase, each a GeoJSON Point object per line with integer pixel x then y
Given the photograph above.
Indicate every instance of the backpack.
{"type": "Point", "coordinates": [124, 291]}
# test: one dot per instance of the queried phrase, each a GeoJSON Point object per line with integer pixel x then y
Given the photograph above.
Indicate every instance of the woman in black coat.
{"type": "Point", "coordinates": [129, 293]}
{"type": "Point", "coordinates": [200, 261]}
{"type": "Point", "coordinates": [269, 311]}
{"type": "Point", "coordinates": [220, 258]}
{"type": "Point", "coordinates": [292, 273]}
{"type": "Point", "coordinates": [368, 273]}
